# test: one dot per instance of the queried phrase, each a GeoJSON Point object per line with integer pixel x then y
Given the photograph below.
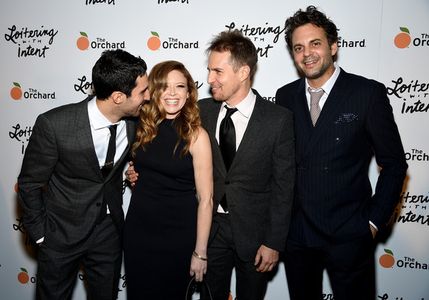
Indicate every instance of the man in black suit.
{"type": "Point", "coordinates": [253, 185]}
{"type": "Point", "coordinates": [70, 193]}
{"type": "Point", "coordinates": [336, 217]}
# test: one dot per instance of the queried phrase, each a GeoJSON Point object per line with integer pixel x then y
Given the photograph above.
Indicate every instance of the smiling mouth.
{"type": "Point", "coordinates": [171, 101]}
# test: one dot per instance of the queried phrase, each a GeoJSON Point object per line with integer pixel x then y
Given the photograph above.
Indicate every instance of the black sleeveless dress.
{"type": "Point", "coordinates": [160, 226]}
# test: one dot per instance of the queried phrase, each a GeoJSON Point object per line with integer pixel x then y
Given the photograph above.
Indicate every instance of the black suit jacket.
{"type": "Point", "coordinates": [61, 187]}
{"type": "Point", "coordinates": [259, 183]}
{"type": "Point", "coordinates": [333, 199]}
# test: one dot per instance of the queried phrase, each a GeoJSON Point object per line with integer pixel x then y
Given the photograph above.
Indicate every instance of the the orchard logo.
{"type": "Point", "coordinates": [346, 42]}
{"type": "Point", "coordinates": [263, 36]}
{"type": "Point", "coordinates": [154, 42]}
{"type": "Point", "coordinates": [82, 42]}
{"type": "Point", "coordinates": [16, 91]}
{"type": "Point", "coordinates": [404, 39]}
{"type": "Point", "coordinates": [31, 41]}
{"type": "Point", "coordinates": [416, 155]}
{"type": "Point", "coordinates": [414, 94]}
{"type": "Point", "coordinates": [23, 276]}
{"type": "Point", "coordinates": [387, 260]}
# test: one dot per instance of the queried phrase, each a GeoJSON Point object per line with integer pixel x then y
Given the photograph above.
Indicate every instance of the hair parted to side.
{"type": "Point", "coordinates": [313, 16]}
{"type": "Point", "coordinates": [243, 51]}
{"type": "Point", "coordinates": [116, 70]}
{"type": "Point", "coordinates": [187, 122]}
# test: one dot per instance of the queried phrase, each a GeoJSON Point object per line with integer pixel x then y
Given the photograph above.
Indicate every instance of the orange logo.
{"type": "Point", "coordinates": [23, 276]}
{"type": "Point", "coordinates": [387, 260]}
{"type": "Point", "coordinates": [402, 39]}
{"type": "Point", "coordinates": [153, 43]}
{"type": "Point", "coordinates": [16, 91]}
{"type": "Point", "coordinates": [82, 42]}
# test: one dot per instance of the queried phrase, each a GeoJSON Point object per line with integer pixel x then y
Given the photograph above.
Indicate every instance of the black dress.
{"type": "Point", "coordinates": [160, 227]}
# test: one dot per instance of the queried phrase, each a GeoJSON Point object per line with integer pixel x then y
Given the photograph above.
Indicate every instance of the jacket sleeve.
{"type": "Point", "coordinates": [38, 164]}
{"type": "Point", "coordinates": [389, 155]}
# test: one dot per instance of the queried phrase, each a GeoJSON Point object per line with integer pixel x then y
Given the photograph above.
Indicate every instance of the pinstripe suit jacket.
{"type": "Point", "coordinates": [333, 197]}
{"type": "Point", "coordinates": [60, 185]}
{"type": "Point", "coordinates": [259, 183]}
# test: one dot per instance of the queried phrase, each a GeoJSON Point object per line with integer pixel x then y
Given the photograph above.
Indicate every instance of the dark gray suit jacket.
{"type": "Point", "coordinates": [61, 187]}
{"type": "Point", "coordinates": [259, 183]}
{"type": "Point", "coordinates": [333, 199]}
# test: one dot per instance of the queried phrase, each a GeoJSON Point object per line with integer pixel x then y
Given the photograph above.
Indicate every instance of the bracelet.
{"type": "Point", "coordinates": [199, 256]}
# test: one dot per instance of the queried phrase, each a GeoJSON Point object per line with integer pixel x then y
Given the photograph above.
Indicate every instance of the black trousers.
{"type": "Point", "coordinates": [100, 256]}
{"type": "Point", "coordinates": [350, 267]}
{"type": "Point", "coordinates": [222, 259]}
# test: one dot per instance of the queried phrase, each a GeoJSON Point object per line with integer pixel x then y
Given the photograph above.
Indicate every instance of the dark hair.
{"type": "Point", "coordinates": [116, 70]}
{"type": "Point", "coordinates": [313, 16]}
{"type": "Point", "coordinates": [243, 51]}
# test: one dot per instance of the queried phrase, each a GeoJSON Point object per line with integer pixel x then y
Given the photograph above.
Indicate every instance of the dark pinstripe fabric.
{"type": "Point", "coordinates": [333, 199]}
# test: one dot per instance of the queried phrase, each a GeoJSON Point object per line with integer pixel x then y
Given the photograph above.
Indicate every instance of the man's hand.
{"type": "Point", "coordinates": [266, 259]}
{"type": "Point", "coordinates": [131, 175]}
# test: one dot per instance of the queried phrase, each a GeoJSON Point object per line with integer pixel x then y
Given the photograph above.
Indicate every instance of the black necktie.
{"type": "Point", "coordinates": [227, 144]}
{"type": "Point", "coordinates": [227, 137]}
{"type": "Point", "coordinates": [111, 150]}
{"type": "Point", "coordinates": [108, 166]}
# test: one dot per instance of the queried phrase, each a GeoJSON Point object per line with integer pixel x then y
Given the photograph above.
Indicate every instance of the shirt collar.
{"type": "Point", "coordinates": [245, 106]}
{"type": "Point", "coordinates": [96, 118]}
{"type": "Point", "coordinates": [329, 84]}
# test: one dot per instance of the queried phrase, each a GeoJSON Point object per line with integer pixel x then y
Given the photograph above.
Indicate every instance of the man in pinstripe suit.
{"type": "Point", "coordinates": [336, 217]}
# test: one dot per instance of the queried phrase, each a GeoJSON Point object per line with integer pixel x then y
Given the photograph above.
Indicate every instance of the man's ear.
{"type": "Point", "coordinates": [118, 97]}
{"type": "Point", "coordinates": [244, 72]}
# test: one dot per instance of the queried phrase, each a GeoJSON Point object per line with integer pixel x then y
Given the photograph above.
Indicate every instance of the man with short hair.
{"type": "Point", "coordinates": [253, 169]}
{"type": "Point", "coordinates": [341, 121]}
{"type": "Point", "coordinates": [70, 185]}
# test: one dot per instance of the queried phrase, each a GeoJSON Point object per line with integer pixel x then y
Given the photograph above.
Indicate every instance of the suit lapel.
{"type": "Point", "coordinates": [210, 122]}
{"type": "Point", "coordinates": [252, 131]}
{"type": "Point", "coordinates": [330, 109]}
{"type": "Point", "coordinates": [84, 137]}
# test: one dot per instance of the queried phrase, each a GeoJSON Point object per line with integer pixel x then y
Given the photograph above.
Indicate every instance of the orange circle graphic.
{"type": "Point", "coordinates": [153, 43]}
{"type": "Point", "coordinates": [386, 260]}
{"type": "Point", "coordinates": [16, 93]}
{"type": "Point", "coordinates": [23, 277]}
{"type": "Point", "coordinates": [402, 40]}
{"type": "Point", "coordinates": [82, 43]}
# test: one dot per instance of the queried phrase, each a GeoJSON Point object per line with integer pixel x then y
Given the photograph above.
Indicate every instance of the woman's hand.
{"type": "Point", "coordinates": [198, 267]}
{"type": "Point", "coordinates": [131, 175]}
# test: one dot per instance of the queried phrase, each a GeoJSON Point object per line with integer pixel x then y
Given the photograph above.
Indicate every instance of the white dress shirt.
{"type": "Point", "coordinates": [240, 119]}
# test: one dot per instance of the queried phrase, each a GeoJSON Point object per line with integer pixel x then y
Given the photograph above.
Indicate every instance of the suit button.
{"type": "Point", "coordinates": [98, 204]}
{"type": "Point", "coordinates": [226, 181]}
{"type": "Point", "coordinates": [325, 169]}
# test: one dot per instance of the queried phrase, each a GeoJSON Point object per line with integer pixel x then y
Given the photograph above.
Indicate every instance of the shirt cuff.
{"type": "Point", "coordinates": [373, 225]}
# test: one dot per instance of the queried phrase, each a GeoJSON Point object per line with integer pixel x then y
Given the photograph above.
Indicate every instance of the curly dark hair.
{"type": "Point", "coordinates": [313, 16]}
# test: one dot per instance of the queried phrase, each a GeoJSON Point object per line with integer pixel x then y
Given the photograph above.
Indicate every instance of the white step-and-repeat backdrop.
{"type": "Point", "coordinates": [49, 47]}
